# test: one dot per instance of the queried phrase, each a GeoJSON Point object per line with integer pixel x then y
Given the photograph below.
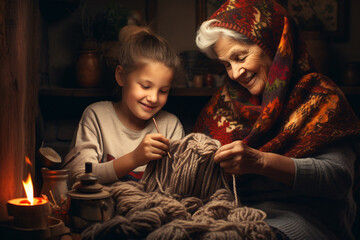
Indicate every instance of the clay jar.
{"type": "Point", "coordinates": [88, 68]}
{"type": "Point", "coordinates": [55, 188]}
{"type": "Point", "coordinates": [198, 81]}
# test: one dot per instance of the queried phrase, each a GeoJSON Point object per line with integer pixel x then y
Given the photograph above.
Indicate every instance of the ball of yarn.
{"type": "Point", "coordinates": [169, 231]}
{"type": "Point", "coordinates": [117, 227]}
{"type": "Point", "coordinates": [246, 214]}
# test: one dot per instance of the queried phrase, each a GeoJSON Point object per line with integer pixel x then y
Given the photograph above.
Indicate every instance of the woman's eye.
{"type": "Point", "coordinates": [241, 58]}
{"type": "Point", "coordinates": [144, 86]}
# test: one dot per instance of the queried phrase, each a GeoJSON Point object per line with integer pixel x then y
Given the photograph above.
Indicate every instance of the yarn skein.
{"type": "Point", "coordinates": [185, 197]}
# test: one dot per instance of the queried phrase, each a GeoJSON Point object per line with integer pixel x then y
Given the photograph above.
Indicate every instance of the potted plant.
{"type": "Point", "coordinates": [100, 25]}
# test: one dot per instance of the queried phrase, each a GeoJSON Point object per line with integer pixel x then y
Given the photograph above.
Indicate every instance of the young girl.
{"type": "Point", "coordinates": [120, 138]}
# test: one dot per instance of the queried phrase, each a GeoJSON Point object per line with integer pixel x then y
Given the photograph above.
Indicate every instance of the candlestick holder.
{"type": "Point", "coordinates": [25, 215]}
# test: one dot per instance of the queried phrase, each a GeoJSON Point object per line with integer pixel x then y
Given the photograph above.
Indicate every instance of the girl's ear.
{"type": "Point", "coordinates": [120, 75]}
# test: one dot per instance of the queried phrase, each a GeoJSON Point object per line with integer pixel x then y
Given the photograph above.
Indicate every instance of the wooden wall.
{"type": "Point", "coordinates": [19, 61]}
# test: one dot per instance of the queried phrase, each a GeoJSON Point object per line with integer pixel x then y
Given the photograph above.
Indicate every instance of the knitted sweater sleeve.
{"type": "Point", "coordinates": [328, 175]}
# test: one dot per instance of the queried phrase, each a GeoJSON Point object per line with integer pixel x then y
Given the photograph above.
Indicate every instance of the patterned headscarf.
{"type": "Point", "coordinates": [299, 112]}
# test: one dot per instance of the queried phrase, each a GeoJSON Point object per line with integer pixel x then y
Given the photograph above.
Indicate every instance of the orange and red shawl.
{"type": "Point", "coordinates": [299, 112]}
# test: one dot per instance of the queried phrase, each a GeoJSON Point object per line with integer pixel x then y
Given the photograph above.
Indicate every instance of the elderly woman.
{"type": "Point", "coordinates": [287, 132]}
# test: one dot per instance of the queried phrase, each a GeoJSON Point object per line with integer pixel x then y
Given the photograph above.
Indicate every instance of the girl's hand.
{"type": "Point", "coordinates": [152, 147]}
{"type": "Point", "coordinates": [238, 158]}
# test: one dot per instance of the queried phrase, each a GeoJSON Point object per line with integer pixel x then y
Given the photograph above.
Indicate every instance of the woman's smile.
{"type": "Point", "coordinates": [248, 79]}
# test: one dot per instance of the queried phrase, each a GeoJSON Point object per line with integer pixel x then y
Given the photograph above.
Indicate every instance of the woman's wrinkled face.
{"type": "Point", "coordinates": [245, 63]}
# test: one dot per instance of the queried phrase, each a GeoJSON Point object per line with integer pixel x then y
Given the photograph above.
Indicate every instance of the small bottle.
{"type": "Point", "coordinates": [198, 81]}
{"type": "Point", "coordinates": [209, 80]}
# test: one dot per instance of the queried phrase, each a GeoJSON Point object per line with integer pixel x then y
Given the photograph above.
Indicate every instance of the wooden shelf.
{"type": "Point", "coordinates": [103, 92]}
{"type": "Point", "coordinates": [178, 92]}
{"type": "Point", "coordinates": [189, 92]}
{"type": "Point", "coordinates": [74, 92]}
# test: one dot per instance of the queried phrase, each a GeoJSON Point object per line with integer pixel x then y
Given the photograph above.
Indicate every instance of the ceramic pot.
{"type": "Point", "coordinates": [88, 68]}
{"type": "Point", "coordinates": [55, 188]}
{"type": "Point", "coordinates": [86, 209]}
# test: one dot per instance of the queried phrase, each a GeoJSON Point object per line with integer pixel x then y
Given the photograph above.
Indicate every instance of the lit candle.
{"type": "Point", "coordinates": [29, 212]}
{"type": "Point", "coordinates": [25, 215]}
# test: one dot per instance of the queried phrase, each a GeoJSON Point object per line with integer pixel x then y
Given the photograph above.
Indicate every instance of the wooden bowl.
{"type": "Point", "coordinates": [50, 158]}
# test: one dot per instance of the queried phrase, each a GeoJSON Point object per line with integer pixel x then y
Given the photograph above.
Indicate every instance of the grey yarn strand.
{"type": "Point", "coordinates": [185, 197]}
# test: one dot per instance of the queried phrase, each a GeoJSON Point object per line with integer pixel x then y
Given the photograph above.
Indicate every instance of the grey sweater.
{"type": "Point", "coordinates": [320, 203]}
{"type": "Point", "coordinates": [101, 137]}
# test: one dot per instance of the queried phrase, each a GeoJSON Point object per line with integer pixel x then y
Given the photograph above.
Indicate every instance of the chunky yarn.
{"type": "Point", "coordinates": [190, 173]}
{"type": "Point", "coordinates": [183, 197]}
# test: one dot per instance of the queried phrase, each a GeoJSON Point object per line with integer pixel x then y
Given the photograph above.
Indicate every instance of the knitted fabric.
{"type": "Point", "coordinates": [299, 112]}
{"type": "Point", "coordinates": [185, 197]}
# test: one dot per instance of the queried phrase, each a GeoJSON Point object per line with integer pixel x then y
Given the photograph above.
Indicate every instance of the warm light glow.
{"type": "Point", "coordinates": [28, 162]}
{"type": "Point", "coordinates": [29, 190]}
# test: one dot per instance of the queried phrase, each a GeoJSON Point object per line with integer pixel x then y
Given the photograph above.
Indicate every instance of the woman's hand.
{"type": "Point", "coordinates": [152, 147]}
{"type": "Point", "coordinates": [238, 158]}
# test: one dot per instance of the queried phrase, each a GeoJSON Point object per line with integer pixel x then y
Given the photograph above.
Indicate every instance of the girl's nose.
{"type": "Point", "coordinates": [152, 96]}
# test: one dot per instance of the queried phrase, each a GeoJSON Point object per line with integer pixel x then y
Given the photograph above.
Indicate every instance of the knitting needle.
{"type": "Point", "coordinates": [158, 130]}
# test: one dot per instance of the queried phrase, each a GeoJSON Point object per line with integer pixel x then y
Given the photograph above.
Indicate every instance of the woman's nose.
{"type": "Point", "coordinates": [237, 71]}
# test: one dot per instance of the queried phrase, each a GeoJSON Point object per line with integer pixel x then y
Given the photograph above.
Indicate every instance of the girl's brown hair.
{"type": "Point", "coordinates": [139, 44]}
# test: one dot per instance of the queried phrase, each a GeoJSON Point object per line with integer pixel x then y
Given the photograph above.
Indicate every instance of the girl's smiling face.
{"type": "Point", "coordinates": [245, 63]}
{"type": "Point", "coordinates": [144, 92]}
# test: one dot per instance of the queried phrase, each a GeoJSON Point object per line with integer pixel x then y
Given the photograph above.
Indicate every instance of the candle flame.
{"type": "Point", "coordinates": [29, 190]}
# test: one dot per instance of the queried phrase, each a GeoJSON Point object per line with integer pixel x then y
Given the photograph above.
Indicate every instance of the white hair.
{"type": "Point", "coordinates": [207, 36]}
